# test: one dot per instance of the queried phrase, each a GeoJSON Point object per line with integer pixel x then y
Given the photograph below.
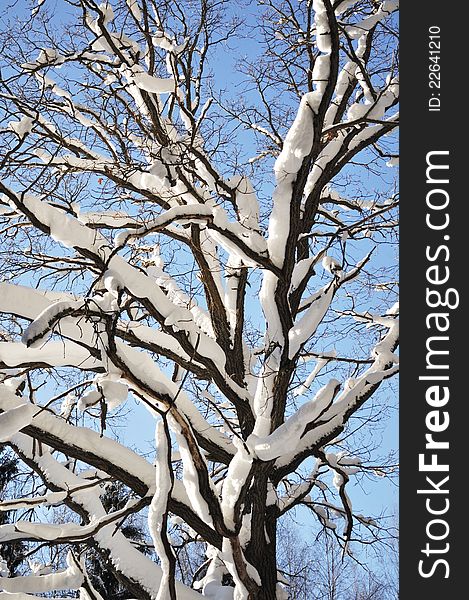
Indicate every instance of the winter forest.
{"type": "Point", "coordinates": [198, 227]}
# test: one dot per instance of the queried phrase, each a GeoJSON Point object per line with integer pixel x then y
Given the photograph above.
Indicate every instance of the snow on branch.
{"type": "Point", "coordinates": [70, 578]}
{"type": "Point", "coordinates": [287, 437]}
{"type": "Point", "coordinates": [15, 419]}
{"type": "Point", "coordinates": [128, 561]}
{"type": "Point", "coordinates": [33, 337]}
{"type": "Point", "coordinates": [157, 513]}
{"type": "Point", "coordinates": [53, 354]}
{"type": "Point", "coordinates": [356, 391]}
{"type": "Point", "coordinates": [85, 440]}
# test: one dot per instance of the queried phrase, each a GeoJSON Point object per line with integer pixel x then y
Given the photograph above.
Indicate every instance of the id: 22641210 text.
{"type": "Point", "coordinates": [434, 68]}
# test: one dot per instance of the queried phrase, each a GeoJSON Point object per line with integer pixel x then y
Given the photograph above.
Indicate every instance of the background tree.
{"type": "Point", "coordinates": [247, 302]}
{"type": "Point", "coordinates": [10, 554]}
{"type": "Point", "coordinates": [320, 570]}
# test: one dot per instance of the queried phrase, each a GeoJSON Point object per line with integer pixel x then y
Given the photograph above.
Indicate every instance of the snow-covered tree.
{"type": "Point", "coordinates": [212, 244]}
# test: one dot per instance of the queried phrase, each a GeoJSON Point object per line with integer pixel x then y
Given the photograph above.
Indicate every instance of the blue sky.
{"type": "Point", "coordinates": [369, 497]}
{"type": "Point", "coordinates": [375, 496]}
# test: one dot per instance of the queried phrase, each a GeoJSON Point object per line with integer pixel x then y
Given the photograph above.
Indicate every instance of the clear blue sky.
{"type": "Point", "coordinates": [371, 498]}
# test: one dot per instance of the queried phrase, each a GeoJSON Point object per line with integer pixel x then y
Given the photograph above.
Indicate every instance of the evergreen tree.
{"type": "Point", "coordinates": [10, 554]}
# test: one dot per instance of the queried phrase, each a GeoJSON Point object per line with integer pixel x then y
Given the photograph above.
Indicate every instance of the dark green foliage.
{"type": "Point", "coordinates": [12, 552]}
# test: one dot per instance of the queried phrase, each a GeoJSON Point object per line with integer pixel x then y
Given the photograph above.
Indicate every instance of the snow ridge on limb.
{"type": "Point", "coordinates": [74, 234]}
{"type": "Point", "coordinates": [70, 578]}
{"type": "Point", "coordinates": [317, 305]}
{"type": "Point", "coordinates": [151, 380]}
{"type": "Point", "coordinates": [296, 146]}
{"type": "Point", "coordinates": [287, 437]}
{"type": "Point", "coordinates": [136, 568]}
{"type": "Point", "coordinates": [33, 336]}
{"type": "Point", "coordinates": [15, 355]}
{"type": "Point", "coordinates": [85, 439]}
{"type": "Point", "coordinates": [184, 319]}
{"type": "Point", "coordinates": [184, 213]}
{"type": "Point", "coordinates": [158, 512]}
{"type": "Point", "coordinates": [103, 452]}
{"type": "Point", "coordinates": [15, 419]}
{"type": "Point", "coordinates": [237, 479]}
{"type": "Point", "coordinates": [355, 392]}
